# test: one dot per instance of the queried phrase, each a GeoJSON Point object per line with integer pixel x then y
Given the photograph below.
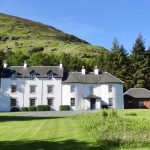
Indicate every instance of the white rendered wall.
{"type": "Point", "coordinates": [100, 90]}
{"type": "Point", "coordinates": [23, 92]}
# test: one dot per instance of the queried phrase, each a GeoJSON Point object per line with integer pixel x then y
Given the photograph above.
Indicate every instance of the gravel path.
{"type": "Point", "coordinates": [55, 113]}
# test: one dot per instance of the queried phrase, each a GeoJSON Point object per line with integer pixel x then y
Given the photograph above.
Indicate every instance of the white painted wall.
{"type": "Point", "coordinates": [100, 90]}
{"type": "Point", "coordinates": [23, 92]}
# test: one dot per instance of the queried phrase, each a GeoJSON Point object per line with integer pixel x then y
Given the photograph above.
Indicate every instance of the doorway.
{"type": "Point", "coordinates": [92, 103]}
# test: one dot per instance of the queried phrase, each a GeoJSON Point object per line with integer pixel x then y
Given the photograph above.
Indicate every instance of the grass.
{"type": "Point", "coordinates": [121, 130]}
{"type": "Point", "coordinates": [53, 133]}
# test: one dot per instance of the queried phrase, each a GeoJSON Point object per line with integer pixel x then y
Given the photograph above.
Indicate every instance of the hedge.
{"type": "Point", "coordinates": [14, 109]}
{"type": "Point", "coordinates": [24, 109]}
{"type": "Point", "coordinates": [43, 108]}
{"type": "Point", "coordinates": [32, 108]}
{"type": "Point", "coordinates": [64, 107]}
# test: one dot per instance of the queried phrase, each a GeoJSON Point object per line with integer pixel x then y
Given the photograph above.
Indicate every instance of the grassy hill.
{"type": "Point", "coordinates": [25, 35]}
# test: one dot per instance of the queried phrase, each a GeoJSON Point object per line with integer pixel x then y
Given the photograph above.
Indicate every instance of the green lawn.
{"type": "Point", "coordinates": [20, 133]}
{"type": "Point", "coordinates": [82, 132]}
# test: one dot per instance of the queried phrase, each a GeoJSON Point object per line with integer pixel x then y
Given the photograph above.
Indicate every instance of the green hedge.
{"type": "Point", "coordinates": [24, 109]}
{"type": "Point", "coordinates": [43, 108]}
{"type": "Point", "coordinates": [32, 108]}
{"type": "Point", "coordinates": [64, 107]}
{"type": "Point", "coordinates": [14, 109]}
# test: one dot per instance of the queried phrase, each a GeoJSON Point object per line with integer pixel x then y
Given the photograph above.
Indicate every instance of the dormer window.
{"type": "Point", "coordinates": [32, 75]}
{"type": "Point", "coordinates": [49, 76]}
{"type": "Point", "coordinates": [14, 76]}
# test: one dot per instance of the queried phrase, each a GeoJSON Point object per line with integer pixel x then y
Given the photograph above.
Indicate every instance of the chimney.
{"type": "Point", "coordinates": [25, 64]}
{"type": "Point", "coordinates": [61, 65]}
{"type": "Point", "coordinates": [5, 64]}
{"type": "Point", "coordinates": [96, 71]}
{"type": "Point", "coordinates": [83, 70]}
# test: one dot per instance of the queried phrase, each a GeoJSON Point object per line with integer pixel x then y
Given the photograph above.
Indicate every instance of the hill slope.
{"type": "Point", "coordinates": [22, 34]}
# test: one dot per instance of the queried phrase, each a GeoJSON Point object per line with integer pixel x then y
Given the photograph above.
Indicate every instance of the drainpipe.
{"type": "Point", "coordinates": [42, 92]}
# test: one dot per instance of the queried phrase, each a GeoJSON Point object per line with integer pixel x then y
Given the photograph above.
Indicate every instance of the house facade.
{"type": "Point", "coordinates": [23, 86]}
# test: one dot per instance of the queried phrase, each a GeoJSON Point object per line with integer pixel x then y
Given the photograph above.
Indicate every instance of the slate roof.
{"type": "Point", "coordinates": [92, 96]}
{"type": "Point", "coordinates": [137, 93]}
{"type": "Point", "coordinates": [40, 71]}
{"type": "Point", "coordinates": [89, 78]}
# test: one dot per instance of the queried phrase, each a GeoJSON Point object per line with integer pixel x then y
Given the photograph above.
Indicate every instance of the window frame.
{"type": "Point", "coordinates": [72, 88]}
{"type": "Point", "coordinates": [14, 76]}
{"type": "Point", "coordinates": [31, 88]}
{"type": "Point", "coordinates": [111, 104]}
{"type": "Point", "coordinates": [12, 88]}
{"type": "Point", "coordinates": [30, 99]}
{"type": "Point", "coordinates": [110, 88]}
{"type": "Point", "coordinates": [12, 102]}
{"type": "Point", "coordinates": [72, 102]}
{"type": "Point", "coordinates": [91, 89]}
{"type": "Point", "coordinates": [51, 104]}
{"type": "Point", "coordinates": [50, 86]}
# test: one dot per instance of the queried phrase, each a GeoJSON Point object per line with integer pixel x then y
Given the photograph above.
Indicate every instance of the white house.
{"type": "Point", "coordinates": [92, 90]}
{"type": "Point", "coordinates": [23, 86]}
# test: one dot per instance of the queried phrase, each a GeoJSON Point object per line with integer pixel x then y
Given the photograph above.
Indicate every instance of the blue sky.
{"type": "Point", "coordinates": [96, 21]}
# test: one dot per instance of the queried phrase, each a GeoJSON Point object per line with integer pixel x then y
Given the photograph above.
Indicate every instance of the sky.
{"type": "Point", "coordinates": [96, 21]}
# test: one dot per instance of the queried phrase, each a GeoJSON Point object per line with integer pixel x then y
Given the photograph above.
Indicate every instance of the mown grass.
{"type": "Point", "coordinates": [118, 130]}
{"type": "Point", "coordinates": [47, 133]}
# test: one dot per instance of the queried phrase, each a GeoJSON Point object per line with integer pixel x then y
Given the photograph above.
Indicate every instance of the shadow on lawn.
{"type": "Point", "coordinates": [24, 118]}
{"type": "Point", "coordinates": [46, 145]}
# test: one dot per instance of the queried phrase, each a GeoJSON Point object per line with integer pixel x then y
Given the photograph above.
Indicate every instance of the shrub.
{"type": "Point", "coordinates": [15, 109]}
{"type": "Point", "coordinates": [24, 109]}
{"type": "Point", "coordinates": [64, 107]}
{"type": "Point", "coordinates": [32, 108]}
{"type": "Point", "coordinates": [104, 113]}
{"type": "Point", "coordinates": [43, 108]}
{"type": "Point", "coordinates": [113, 113]}
{"type": "Point", "coordinates": [104, 106]}
{"type": "Point", "coordinates": [131, 114]}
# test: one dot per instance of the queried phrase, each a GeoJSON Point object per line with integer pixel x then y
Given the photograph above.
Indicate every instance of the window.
{"type": "Point", "coordinates": [50, 89]}
{"type": "Point", "coordinates": [50, 101]}
{"type": "Point", "coordinates": [110, 101]}
{"type": "Point", "coordinates": [109, 88]}
{"type": "Point", "coordinates": [14, 76]}
{"type": "Point", "coordinates": [72, 101]}
{"type": "Point", "coordinates": [32, 101]}
{"type": "Point", "coordinates": [49, 76]}
{"type": "Point", "coordinates": [91, 89]}
{"type": "Point", "coordinates": [13, 102]}
{"type": "Point", "coordinates": [32, 76]}
{"type": "Point", "coordinates": [32, 88]}
{"type": "Point", "coordinates": [13, 88]}
{"type": "Point", "coordinates": [72, 88]}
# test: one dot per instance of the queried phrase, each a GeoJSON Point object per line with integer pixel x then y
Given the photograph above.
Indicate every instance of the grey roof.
{"type": "Point", "coordinates": [137, 93]}
{"type": "Point", "coordinates": [40, 71]}
{"type": "Point", "coordinates": [92, 96]}
{"type": "Point", "coordinates": [104, 77]}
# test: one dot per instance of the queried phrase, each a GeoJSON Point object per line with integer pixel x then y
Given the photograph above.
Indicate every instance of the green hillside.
{"type": "Point", "coordinates": [25, 35]}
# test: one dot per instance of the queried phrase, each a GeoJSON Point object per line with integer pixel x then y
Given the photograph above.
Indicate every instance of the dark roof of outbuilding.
{"type": "Point", "coordinates": [137, 93]}
{"type": "Point", "coordinates": [78, 77]}
{"type": "Point", "coordinates": [40, 71]}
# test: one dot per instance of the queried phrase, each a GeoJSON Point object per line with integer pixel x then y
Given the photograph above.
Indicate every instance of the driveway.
{"type": "Point", "coordinates": [55, 113]}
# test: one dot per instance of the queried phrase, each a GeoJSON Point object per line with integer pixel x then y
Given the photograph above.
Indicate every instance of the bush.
{"type": "Point", "coordinates": [43, 108]}
{"type": "Point", "coordinates": [104, 106]}
{"type": "Point", "coordinates": [64, 107]}
{"type": "Point", "coordinates": [24, 109]}
{"type": "Point", "coordinates": [15, 109]}
{"type": "Point", "coordinates": [131, 114]}
{"type": "Point", "coordinates": [32, 108]}
{"type": "Point", "coordinates": [113, 113]}
{"type": "Point", "coordinates": [104, 113]}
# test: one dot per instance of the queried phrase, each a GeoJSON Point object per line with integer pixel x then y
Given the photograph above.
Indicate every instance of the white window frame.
{"type": "Point", "coordinates": [72, 88]}
{"type": "Point", "coordinates": [31, 87]}
{"type": "Point", "coordinates": [74, 103]}
{"type": "Point", "coordinates": [110, 87]}
{"type": "Point", "coordinates": [50, 98]}
{"type": "Point", "coordinates": [31, 98]}
{"type": "Point", "coordinates": [50, 86]}
{"type": "Point", "coordinates": [12, 87]}
{"type": "Point", "coordinates": [11, 102]}
{"type": "Point", "coordinates": [112, 102]}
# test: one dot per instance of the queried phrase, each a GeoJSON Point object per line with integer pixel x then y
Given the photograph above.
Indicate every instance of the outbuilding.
{"type": "Point", "coordinates": [137, 98]}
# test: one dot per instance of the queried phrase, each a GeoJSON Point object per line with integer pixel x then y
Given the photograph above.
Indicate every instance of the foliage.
{"type": "Point", "coordinates": [14, 109]}
{"type": "Point", "coordinates": [43, 108]}
{"type": "Point", "coordinates": [32, 108]}
{"type": "Point", "coordinates": [24, 109]}
{"type": "Point", "coordinates": [64, 108]}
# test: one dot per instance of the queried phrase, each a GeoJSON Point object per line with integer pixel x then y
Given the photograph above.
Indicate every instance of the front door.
{"type": "Point", "coordinates": [92, 103]}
